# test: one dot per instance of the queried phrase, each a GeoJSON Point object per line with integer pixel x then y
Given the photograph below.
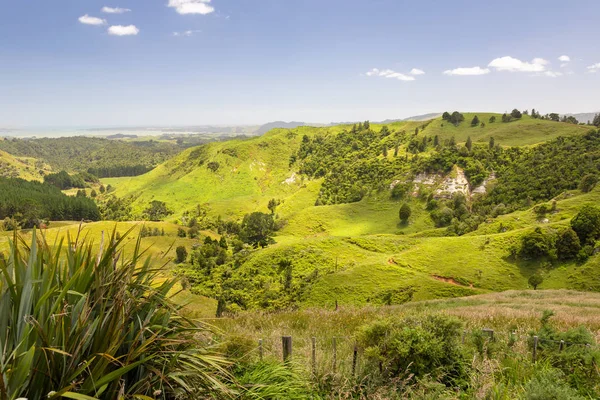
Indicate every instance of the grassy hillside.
{"type": "Point", "coordinates": [521, 132]}
{"type": "Point", "coordinates": [22, 167]}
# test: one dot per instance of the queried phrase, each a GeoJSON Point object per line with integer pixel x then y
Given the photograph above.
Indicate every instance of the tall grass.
{"type": "Point", "coordinates": [83, 324]}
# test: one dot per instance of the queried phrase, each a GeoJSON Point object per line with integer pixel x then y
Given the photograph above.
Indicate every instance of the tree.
{"type": "Point", "coordinates": [475, 121]}
{"type": "Point", "coordinates": [587, 223]}
{"type": "Point", "coordinates": [456, 118]}
{"type": "Point", "coordinates": [272, 206]}
{"type": "Point", "coordinates": [446, 116]}
{"type": "Point", "coordinates": [568, 244]}
{"type": "Point", "coordinates": [596, 121]}
{"type": "Point", "coordinates": [181, 254]}
{"type": "Point", "coordinates": [492, 119]}
{"type": "Point", "coordinates": [535, 280]}
{"type": "Point", "coordinates": [286, 267]}
{"type": "Point", "coordinates": [436, 141]}
{"type": "Point", "coordinates": [554, 117]}
{"type": "Point", "coordinates": [93, 194]}
{"type": "Point", "coordinates": [516, 114]}
{"type": "Point", "coordinates": [213, 166]}
{"type": "Point", "coordinates": [257, 229]}
{"type": "Point", "coordinates": [102, 189]}
{"type": "Point", "coordinates": [385, 151]}
{"type": "Point", "coordinates": [469, 144]}
{"type": "Point", "coordinates": [405, 213]}
{"type": "Point", "coordinates": [535, 244]}
{"type": "Point", "coordinates": [157, 211]}
{"type": "Point", "coordinates": [367, 125]}
{"type": "Point", "coordinates": [416, 131]}
{"type": "Point", "coordinates": [492, 143]}
{"type": "Point", "coordinates": [506, 118]}
{"type": "Point", "coordinates": [181, 232]}
{"type": "Point", "coordinates": [588, 182]}
{"type": "Point", "coordinates": [223, 243]}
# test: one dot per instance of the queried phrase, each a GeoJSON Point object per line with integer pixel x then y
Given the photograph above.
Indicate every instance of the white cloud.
{"type": "Point", "coordinates": [202, 7]}
{"type": "Point", "coordinates": [467, 71]}
{"type": "Point", "coordinates": [120, 30]}
{"type": "Point", "coordinates": [186, 33]}
{"type": "Point", "coordinates": [553, 74]}
{"type": "Point", "coordinates": [417, 71]}
{"type": "Point", "coordinates": [388, 73]}
{"type": "Point", "coordinates": [511, 64]}
{"type": "Point", "coordinates": [594, 67]}
{"type": "Point", "coordinates": [564, 59]}
{"type": "Point", "coordinates": [87, 20]}
{"type": "Point", "coordinates": [115, 10]}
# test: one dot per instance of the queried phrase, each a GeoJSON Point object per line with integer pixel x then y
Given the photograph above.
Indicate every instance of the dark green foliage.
{"type": "Point", "coordinates": [596, 121]}
{"type": "Point", "coordinates": [543, 172]}
{"type": "Point", "coordinates": [404, 213]}
{"type": "Point", "coordinates": [401, 190]}
{"type": "Point", "coordinates": [587, 223]}
{"type": "Point", "coordinates": [537, 244]}
{"type": "Point", "coordinates": [442, 217]}
{"type": "Point", "coordinates": [213, 166]}
{"type": "Point", "coordinates": [273, 203]}
{"type": "Point", "coordinates": [588, 182]}
{"type": "Point", "coordinates": [446, 116]}
{"type": "Point", "coordinates": [506, 118]}
{"type": "Point", "coordinates": [350, 163]}
{"type": "Point", "coordinates": [492, 119]}
{"type": "Point", "coordinates": [456, 118]}
{"type": "Point", "coordinates": [181, 253]}
{"type": "Point", "coordinates": [149, 232]}
{"type": "Point", "coordinates": [63, 180]}
{"type": "Point", "coordinates": [257, 229]}
{"type": "Point", "coordinates": [31, 202]}
{"type": "Point", "coordinates": [115, 209]}
{"type": "Point", "coordinates": [516, 114]}
{"type": "Point", "coordinates": [550, 385]}
{"type": "Point", "coordinates": [101, 157]}
{"type": "Point", "coordinates": [568, 244]}
{"type": "Point", "coordinates": [475, 121]}
{"type": "Point", "coordinates": [181, 232]}
{"type": "Point", "coordinates": [535, 280]}
{"type": "Point", "coordinates": [469, 144]}
{"type": "Point", "coordinates": [422, 346]}
{"type": "Point", "coordinates": [286, 268]}
{"type": "Point", "coordinates": [157, 211]}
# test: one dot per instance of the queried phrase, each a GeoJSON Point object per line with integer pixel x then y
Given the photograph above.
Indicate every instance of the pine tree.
{"type": "Point", "coordinates": [492, 143]}
{"type": "Point", "coordinates": [475, 121]}
{"type": "Point", "coordinates": [469, 144]}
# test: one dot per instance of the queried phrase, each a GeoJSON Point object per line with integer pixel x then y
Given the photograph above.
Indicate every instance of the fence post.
{"type": "Point", "coordinates": [535, 345]}
{"type": "Point", "coordinates": [561, 346]}
{"type": "Point", "coordinates": [286, 342]}
{"type": "Point", "coordinates": [260, 349]}
{"type": "Point", "coordinates": [490, 332]}
{"type": "Point", "coordinates": [354, 360]}
{"type": "Point", "coordinates": [334, 354]}
{"type": "Point", "coordinates": [314, 355]}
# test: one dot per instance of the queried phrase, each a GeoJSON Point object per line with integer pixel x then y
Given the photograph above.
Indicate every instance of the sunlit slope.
{"type": "Point", "coordinates": [521, 132]}
{"type": "Point", "coordinates": [231, 178]}
{"type": "Point", "coordinates": [21, 167]}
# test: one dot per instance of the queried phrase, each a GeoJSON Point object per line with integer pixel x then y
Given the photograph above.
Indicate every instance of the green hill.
{"type": "Point", "coordinates": [521, 132]}
{"type": "Point", "coordinates": [22, 167]}
{"type": "Point", "coordinates": [338, 219]}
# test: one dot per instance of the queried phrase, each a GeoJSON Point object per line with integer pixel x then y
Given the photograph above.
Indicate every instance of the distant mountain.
{"type": "Point", "coordinates": [278, 124]}
{"type": "Point", "coordinates": [584, 117]}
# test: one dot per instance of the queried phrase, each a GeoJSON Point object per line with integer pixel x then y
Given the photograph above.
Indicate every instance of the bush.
{"type": "Point", "coordinates": [568, 244]}
{"type": "Point", "coordinates": [404, 213]}
{"type": "Point", "coordinates": [181, 254]}
{"type": "Point", "coordinates": [588, 182]}
{"type": "Point", "coordinates": [536, 244]}
{"type": "Point", "coordinates": [549, 385]}
{"type": "Point", "coordinates": [587, 223]}
{"type": "Point", "coordinates": [96, 327]}
{"type": "Point", "coordinates": [423, 346]}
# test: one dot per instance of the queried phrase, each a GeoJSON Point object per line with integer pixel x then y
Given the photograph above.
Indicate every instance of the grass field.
{"type": "Point", "coordinates": [523, 132]}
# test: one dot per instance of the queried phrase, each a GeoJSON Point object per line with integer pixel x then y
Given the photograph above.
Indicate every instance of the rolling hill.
{"type": "Point", "coordinates": [359, 252]}
{"type": "Point", "coordinates": [22, 167]}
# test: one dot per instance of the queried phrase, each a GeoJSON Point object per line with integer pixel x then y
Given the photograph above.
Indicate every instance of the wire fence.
{"type": "Point", "coordinates": [343, 356]}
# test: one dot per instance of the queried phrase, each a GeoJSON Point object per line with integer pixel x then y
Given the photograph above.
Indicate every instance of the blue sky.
{"type": "Point", "coordinates": [191, 62]}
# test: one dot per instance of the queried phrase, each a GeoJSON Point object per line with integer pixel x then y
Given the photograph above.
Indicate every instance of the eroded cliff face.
{"type": "Point", "coordinates": [446, 186]}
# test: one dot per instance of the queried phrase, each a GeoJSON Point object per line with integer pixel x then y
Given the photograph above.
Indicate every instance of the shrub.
{"type": "Point", "coordinates": [404, 213]}
{"type": "Point", "coordinates": [96, 327]}
{"type": "Point", "coordinates": [549, 385]}
{"type": "Point", "coordinates": [587, 223]}
{"type": "Point", "coordinates": [588, 182]}
{"type": "Point", "coordinates": [423, 346]}
{"type": "Point", "coordinates": [536, 244]}
{"type": "Point", "coordinates": [535, 280]}
{"type": "Point", "coordinates": [181, 254]}
{"type": "Point", "coordinates": [567, 244]}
